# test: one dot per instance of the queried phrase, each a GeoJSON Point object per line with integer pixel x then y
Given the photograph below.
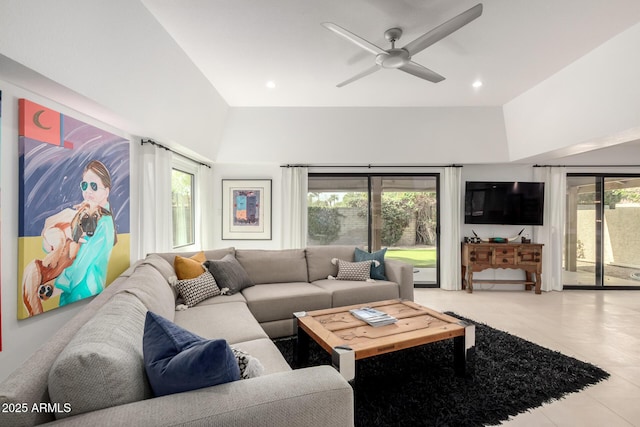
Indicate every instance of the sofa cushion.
{"type": "Point", "coordinates": [189, 268]}
{"type": "Point", "coordinates": [377, 271]}
{"type": "Point", "coordinates": [223, 299]}
{"type": "Point", "coordinates": [232, 321]}
{"type": "Point", "coordinates": [229, 274]}
{"type": "Point", "coordinates": [102, 365]}
{"type": "Point", "coordinates": [348, 292]}
{"type": "Point", "coordinates": [319, 260]}
{"type": "Point", "coordinates": [163, 267]}
{"type": "Point", "coordinates": [274, 266]}
{"type": "Point", "coordinates": [152, 289]}
{"type": "Point", "coordinates": [280, 328]}
{"type": "Point", "coordinates": [276, 301]}
{"type": "Point", "coordinates": [177, 360]}
{"type": "Point", "coordinates": [160, 264]}
{"type": "Point", "coordinates": [208, 254]}
{"type": "Point", "coordinates": [198, 289]}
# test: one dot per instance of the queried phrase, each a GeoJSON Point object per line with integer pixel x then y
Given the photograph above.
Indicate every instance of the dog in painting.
{"type": "Point", "coordinates": [62, 236]}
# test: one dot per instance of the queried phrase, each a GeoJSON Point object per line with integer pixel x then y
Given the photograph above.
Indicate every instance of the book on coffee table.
{"type": "Point", "coordinates": [372, 316]}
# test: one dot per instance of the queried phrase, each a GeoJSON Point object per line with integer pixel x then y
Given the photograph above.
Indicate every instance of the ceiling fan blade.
{"type": "Point", "coordinates": [443, 30]}
{"type": "Point", "coordinates": [359, 75]}
{"type": "Point", "coordinates": [364, 44]}
{"type": "Point", "coordinates": [422, 72]}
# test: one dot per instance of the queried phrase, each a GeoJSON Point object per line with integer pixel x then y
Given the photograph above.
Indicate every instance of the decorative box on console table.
{"type": "Point", "coordinates": [482, 256]}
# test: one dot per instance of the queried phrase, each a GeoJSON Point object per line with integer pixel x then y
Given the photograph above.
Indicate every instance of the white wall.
{"type": "Point", "coordinates": [364, 135]}
{"type": "Point", "coordinates": [116, 54]}
{"type": "Point", "coordinates": [20, 338]}
{"type": "Point", "coordinates": [592, 103]}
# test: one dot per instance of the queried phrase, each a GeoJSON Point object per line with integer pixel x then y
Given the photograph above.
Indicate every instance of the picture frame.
{"type": "Point", "coordinates": [246, 209]}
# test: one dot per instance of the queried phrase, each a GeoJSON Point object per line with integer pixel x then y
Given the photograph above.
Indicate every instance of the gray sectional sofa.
{"type": "Point", "coordinates": [91, 372]}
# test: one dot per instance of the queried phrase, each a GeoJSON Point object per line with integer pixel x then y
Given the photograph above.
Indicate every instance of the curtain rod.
{"type": "Point", "coordinates": [369, 166]}
{"type": "Point", "coordinates": [152, 142]}
{"type": "Point", "coordinates": [586, 166]}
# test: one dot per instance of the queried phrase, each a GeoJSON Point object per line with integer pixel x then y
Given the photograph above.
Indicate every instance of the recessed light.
{"type": "Point", "coordinates": [477, 84]}
{"type": "Point", "coordinates": [271, 84]}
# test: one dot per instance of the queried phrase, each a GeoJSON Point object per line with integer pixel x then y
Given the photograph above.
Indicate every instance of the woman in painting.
{"type": "Point", "coordinates": [88, 273]}
{"type": "Point", "coordinates": [78, 243]}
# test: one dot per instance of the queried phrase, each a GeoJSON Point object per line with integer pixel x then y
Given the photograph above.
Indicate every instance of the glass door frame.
{"type": "Point", "coordinates": [599, 279]}
{"type": "Point", "coordinates": [370, 225]}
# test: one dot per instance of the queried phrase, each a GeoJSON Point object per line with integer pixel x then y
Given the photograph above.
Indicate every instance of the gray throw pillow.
{"type": "Point", "coordinates": [229, 274]}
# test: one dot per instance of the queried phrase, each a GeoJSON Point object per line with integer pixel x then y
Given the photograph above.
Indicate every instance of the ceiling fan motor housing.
{"type": "Point", "coordinates": [393, 58]}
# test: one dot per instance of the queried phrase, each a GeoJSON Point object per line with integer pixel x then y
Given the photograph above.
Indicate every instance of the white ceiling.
{"type": "Point", "coordinates": [240, 45]}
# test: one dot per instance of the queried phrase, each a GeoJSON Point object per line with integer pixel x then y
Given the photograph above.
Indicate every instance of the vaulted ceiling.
{"type": "Point", "coordinates": [513, 46]}
{"type": "Point", "coordinates": [559, 77]}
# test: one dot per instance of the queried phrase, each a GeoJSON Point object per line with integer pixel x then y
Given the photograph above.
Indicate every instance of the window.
{"type": "Point", "coordinates": [602, 249]}
{"type": "Point", "coordinates": [395, 211]}
{"type": "Point", "coordinates": [183, 209]}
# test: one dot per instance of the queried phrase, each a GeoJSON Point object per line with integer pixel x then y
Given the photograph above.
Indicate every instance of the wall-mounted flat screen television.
{"type": "Point", "coordinates": [516, 203]}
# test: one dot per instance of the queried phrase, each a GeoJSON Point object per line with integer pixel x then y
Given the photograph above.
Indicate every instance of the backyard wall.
{"type": "Point", "coordinates": [621, 245]}
{"type": "Point", "coordinates": [353, 230]}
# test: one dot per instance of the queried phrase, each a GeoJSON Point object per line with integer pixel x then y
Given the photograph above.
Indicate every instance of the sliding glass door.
{"type": "Point", "coordinates": [374, 211]}
{"type": "Point", "coordinates": [602, 245]}
{"type": "Point", "coordinates": [406, 222]}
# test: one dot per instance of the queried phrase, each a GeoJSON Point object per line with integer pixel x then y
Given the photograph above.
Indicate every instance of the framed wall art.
{"type": "Point", "coordinates": [246, 209]}
{"type": "Point", "coordinates": [73, 213]}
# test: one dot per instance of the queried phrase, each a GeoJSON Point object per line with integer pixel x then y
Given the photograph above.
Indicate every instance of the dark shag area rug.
{"type": "Point", "coordinates": [418, 386]}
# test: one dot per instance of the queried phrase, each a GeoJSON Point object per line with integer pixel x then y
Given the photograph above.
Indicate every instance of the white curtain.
{"type": "Point", "coordinates": [294, 207]}
{"type": "Point", "coordinates": [155, 205]}
{"type": "Point", "coordinates": [551, 234]}
{"type": "Point", "coordinates": [451, 215]}
{"type": "Point", "coordinates": [204, 214]}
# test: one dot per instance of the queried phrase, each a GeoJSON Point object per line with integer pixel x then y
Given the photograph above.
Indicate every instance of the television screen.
{"type": "Point", "coordinates": [516, 203]}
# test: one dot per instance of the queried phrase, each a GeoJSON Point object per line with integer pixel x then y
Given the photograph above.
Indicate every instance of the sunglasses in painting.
{"type": "Point", "coordinates": [84, 185]}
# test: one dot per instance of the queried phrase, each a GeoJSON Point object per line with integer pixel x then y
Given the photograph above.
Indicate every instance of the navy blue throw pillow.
{"type": "Point", "coordinates": [177, 360]}
{"type": "Point", "coordinates": [378, 272]}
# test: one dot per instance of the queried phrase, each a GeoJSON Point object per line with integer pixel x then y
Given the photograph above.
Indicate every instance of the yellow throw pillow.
{"type": "Point", "coordinates": [189, 268]}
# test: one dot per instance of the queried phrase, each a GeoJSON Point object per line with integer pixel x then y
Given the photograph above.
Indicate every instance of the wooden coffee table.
{"type": "Point", "coordinates": [348, 339]}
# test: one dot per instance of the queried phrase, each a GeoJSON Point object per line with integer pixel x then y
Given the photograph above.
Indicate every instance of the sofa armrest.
{"type": "Point", "coordinates": [401, 273]}
{"type": "Point", "coordinates": [317, 396]}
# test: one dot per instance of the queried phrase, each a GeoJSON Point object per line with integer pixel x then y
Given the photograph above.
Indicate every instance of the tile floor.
{"type": "Point", "coordinates": [599, 327]}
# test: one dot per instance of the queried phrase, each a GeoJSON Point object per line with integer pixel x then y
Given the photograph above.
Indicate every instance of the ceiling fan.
{"type": "Point", "coordinates": [400, 58]}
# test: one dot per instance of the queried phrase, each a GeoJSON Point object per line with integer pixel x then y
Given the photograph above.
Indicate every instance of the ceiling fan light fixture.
{"type": "Point", "coordinates": [477, 84]}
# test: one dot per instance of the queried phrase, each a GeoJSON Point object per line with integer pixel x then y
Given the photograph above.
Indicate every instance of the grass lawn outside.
{"type": "Point", "coordinates": [418, 257]}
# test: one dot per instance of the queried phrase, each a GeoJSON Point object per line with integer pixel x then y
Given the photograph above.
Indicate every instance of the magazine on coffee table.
{"type": "Point", "coordinates": [373, 317]}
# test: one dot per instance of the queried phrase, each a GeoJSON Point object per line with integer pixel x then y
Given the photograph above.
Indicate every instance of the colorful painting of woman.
{"type": "Point", "coordinates": [73, 219]}
{"type": "Point", "coordinates": [87, 275]}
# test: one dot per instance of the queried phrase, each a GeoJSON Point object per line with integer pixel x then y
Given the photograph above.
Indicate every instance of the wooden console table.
{"type": "Point", "coordinates": [483, 256]}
